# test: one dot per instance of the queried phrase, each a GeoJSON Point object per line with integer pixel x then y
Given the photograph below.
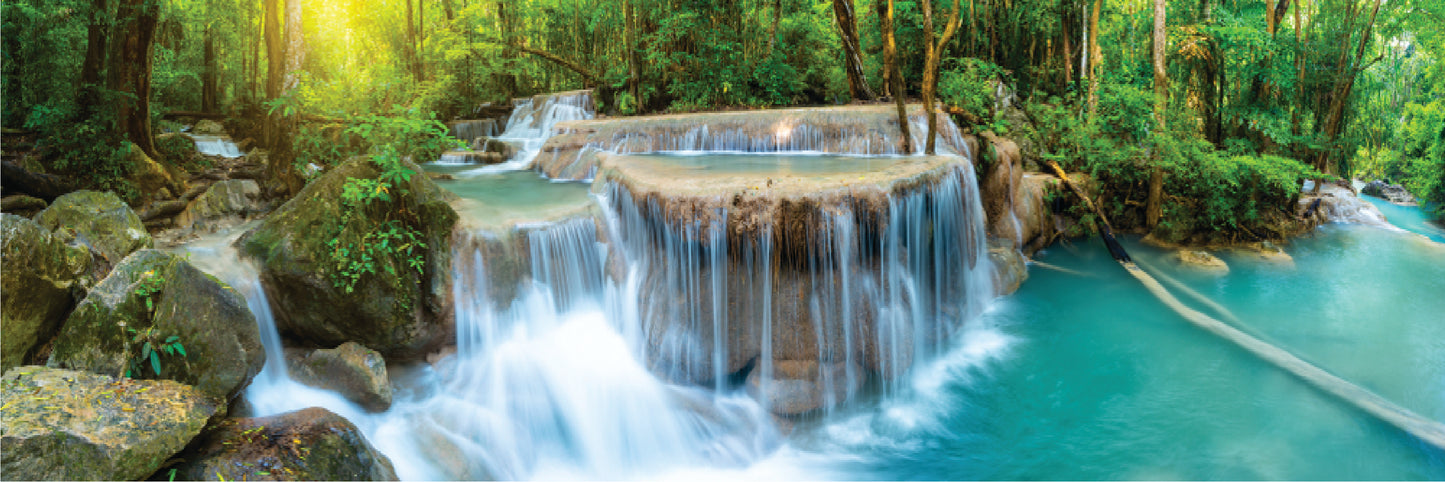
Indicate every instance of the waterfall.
{"type": "Point", "coordinates": [851, 130]}
{"type": "Point", "coordinates": [216, 146]}
{"type": "Point", "coordinates": [532, 122]}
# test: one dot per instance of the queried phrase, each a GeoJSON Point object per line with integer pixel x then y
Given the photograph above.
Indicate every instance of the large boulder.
{"type": "Point", "coordinates": [310, 444]}
{"type": "Point", "coordinates": [39, 277]}
{"type": "Point", "coordinates": [354, 371]}
{"type": "Point", "coordinates": [153, 295]}
{"type": "Point", "coordinates": [70, 425]}
{"type": "Point", "coordinates": [383, 302]}
{"type": "Point", "coordinates": [153, 179]}
{"type": "Point", "coordinates": [231, 200]}
{"type": "Point", "coordinates": [99, 220]}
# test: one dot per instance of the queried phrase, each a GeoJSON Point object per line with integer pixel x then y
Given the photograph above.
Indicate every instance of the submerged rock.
{"type": "Point", "coordinates": [208, 127]}
{"type": "Point", "coordinates": [40, 276]}
{"type": "Point", "coordinates": [1202, 261]}
{"type": "Point", "coordinates": [354, 371]}
{"type": "Point", "coordinates": [70, 425]}
{"type": "Point", "coordinates": [99, 220]}
{"type": "Point", "coordinates": [310, 444]}
{"type": "Point", "coordinates": [798, 387]}
{"type": "Point", "coordinates": [153, 295]}
{"type": "Point", "coordinates": [400, 310]}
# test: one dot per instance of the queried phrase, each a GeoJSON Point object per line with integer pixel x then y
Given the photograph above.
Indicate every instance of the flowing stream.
{"type": "Point", "coordinates": [612, 352]}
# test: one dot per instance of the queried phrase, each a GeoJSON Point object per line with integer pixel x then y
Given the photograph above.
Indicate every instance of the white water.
{"type": "Point", "coordinates": [216, 146]}
{"type": "Point", "coordinates": [531, 124]}
{"type": "Point", "coordinates": [563, 382]}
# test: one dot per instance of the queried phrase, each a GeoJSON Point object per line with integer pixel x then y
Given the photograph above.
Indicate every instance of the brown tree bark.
{"type": "Point", "coordinates": [504, 18]}
{"type": "Point", "coordinates": [895, 76]}
{"type": "Point", "coordinates": [96, 52]}
{"type": "Point", "coordinates": [1096, 57]}
{"type": "Point", "coordinates": [275, 64]}
{"type": "Point", "coordinates": [933, 51]}
{"type": "Point", "coordinates": [1153, 206]}
{"type": "Point", "coordinates": [130, 72]}
{"type": "Point", "coordinates": [852, 53]}
{"type": "Point", "coordinates": [634, 64]}
{"type": "Point", "coordinates": [773, 29]}
{"type": "Point", "coordinates": [1349, 70]}
{"type": "Point", "coordinates": [208, 72]}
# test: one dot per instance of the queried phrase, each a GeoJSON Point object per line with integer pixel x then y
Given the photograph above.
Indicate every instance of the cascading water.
{"type": "Point", "coordinates": [216, 146]}
{"type": "Point", "coordinates": [531, 123]}
{"type": "Point", "coordinates": [639, 343]}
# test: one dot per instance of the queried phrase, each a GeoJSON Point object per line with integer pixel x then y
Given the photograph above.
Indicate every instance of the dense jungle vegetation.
{"type": "Point", "coordinates": [1191, 115]}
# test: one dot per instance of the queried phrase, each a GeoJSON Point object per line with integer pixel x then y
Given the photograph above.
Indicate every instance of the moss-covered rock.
{"type": "Point", "coordinates": [310, 444]}
{"type": "Point", "coordinates": [356, 372]}
{"type": "Point", "coordinates": [233, 199]}
{"type": "Point", "coordinates": [153, 295]}
{"type": "Point", "coordinates": [69, 425]}
{"type": "Point", "coordinates": [99, 220]}
{"type": "Point", "coordinates": [22, 205]}
{"type": "Point", "coordinates": [395, 309]}
{"type": "Point", "coordinates": [39, 275]}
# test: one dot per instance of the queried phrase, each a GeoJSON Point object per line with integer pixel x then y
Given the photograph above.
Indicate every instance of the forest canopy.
{"type": "Point", "coordinates": [1217, 94]}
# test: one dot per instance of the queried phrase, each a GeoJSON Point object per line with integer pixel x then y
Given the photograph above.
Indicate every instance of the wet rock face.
{"type": "Point", "coordinates": [395, 309]}
{"type": "Point", "coordinates": [1394, 193]}
{"type": "Point", "coordinates": [151, 296]}
{"type": "Point", "coordinates": [40, 276]}
{"type": "Point", "coordinates": [99, 220]}
{"type": "Point", "coordinates": [799, 387]}
{"type": "Point", "coordinates": [70, 425]}
{"type": "Point", "coordinates": [310, 444]}
{"type": "Point", "coordinates": [355, 371]}
{"type": "Point", "coordinates": [1010, 270]}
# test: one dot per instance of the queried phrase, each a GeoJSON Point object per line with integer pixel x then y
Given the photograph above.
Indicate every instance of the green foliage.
{"type": "Point", "coordinates": [395, 238]}
{"type": "Point", "coordinates": [149, 343]}
{"type": "Point", "coordinates": [970, 84]}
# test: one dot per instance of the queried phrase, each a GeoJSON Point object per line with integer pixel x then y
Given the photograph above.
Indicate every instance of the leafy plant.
{"type": "Point", "coordinates": [151, 349]}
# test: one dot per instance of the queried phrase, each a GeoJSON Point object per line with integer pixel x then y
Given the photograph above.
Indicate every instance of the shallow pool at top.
{"type": "Point", "coordinates": [790, 164]}
{"type": "Point", "coordinates": [1090, 377]}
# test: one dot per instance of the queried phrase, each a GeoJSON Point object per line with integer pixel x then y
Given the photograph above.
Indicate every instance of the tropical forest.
{"type": "Point", "coordinates": [722, 239]}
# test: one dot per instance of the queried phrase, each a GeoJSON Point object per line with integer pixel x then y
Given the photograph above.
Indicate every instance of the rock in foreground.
{"type": "Point", "coordinates": [400, 310]}
{"type": "Point", "coordinates": [39, 274]}
{"type": "Point", "coordinates": [69, 425]}
{"type": "Point", "coordinates": [211, 321]}
{"type": "Point", "coordinates": [310, 444]}
{"type": "Point", "coordinates": [356, 372]}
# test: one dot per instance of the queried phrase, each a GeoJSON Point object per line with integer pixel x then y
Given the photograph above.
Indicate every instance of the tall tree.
{"type": "Point", "coordinates": [895, 75]}
{"type": "Point", "coordinates": [1096, 57]}
{"type": "Point", "coordinates": [933, 52]}
{"type": "Point", "coordinates": [96, 52]}
{"type": "Point", "coordinates": [1348, 70]}
{"type": "Point", "coordinates": [1153, 206]}
{"type": "Point", "coordinates": [130, 72]}
{"type": "Point", "coordinates": [275, 65]}
{"type": "Point", "coordinates": [852, 53]}
{"type": "Point", "coordinates": [208, 71]}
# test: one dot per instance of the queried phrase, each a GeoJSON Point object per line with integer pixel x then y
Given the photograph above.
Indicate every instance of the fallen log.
{"type": "Point", "coordinates": [18, 180]}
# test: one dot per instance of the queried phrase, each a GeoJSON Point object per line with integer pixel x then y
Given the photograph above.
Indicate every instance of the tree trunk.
{"type": "Point", "coordinates": [933, 51]}
{"type": "Point", "coordinates": [411, 51]}
{"type": "Point", "coordinates": [96, 50]}
{"type": "Point", "coordinates": [1153, 207]}
{"type": "Point", "coordinates": [895, 76]}
{"type": "Point", "coordinates": [1339, 97]}
{"type": "Point", "coordinates": [1096, 57]}
{"type": "Point", "coordinates": [280, 170]}
{"type": "Point", "coordinates": [275, 64]}
{"type": "Point", "coordinates": [773, 29]}
{"type": "Point", "coordinates": [208, 72]}
{"type": "Point", "coordinates": [508, 81]}
{"type": "Point", "coordinates": [130, 73]}
{"type": "Point", "coordinates": [634, 64]}
{"type": "Point", "coordinates": [852, 54]}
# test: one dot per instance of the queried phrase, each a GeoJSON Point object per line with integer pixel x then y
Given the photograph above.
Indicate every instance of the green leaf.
{"type": "Point", "coordinates": [156, 363]}
{"type": "Point", "coordinates": [181, 349]}
{"type": "Point", "coordinates": [172, 339]}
